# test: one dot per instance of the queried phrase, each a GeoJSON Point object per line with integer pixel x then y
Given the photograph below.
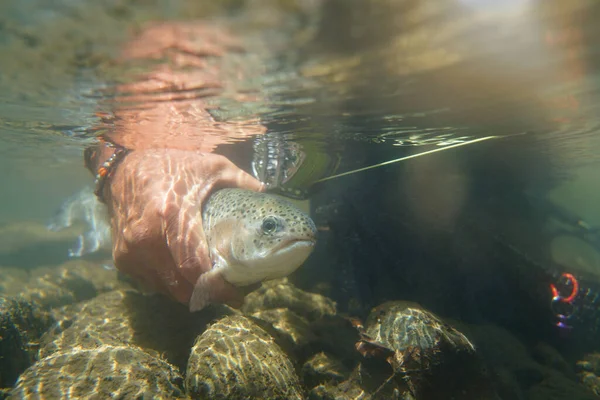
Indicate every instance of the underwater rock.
{"type": "Point", "coordinates": [556, 386]}
{"type": "Point", "coordinates": [432, 358]}
{"type": "Point", "coordinates": [12, 280]}
{"type": "Point", "coordinates": [85, 279]}
{"type": "Point", "coordinates": [105, 317]}
{"type": "Point", "coordinates": [350, 389]}
{"type": "Point", "coordinates": [323, 368]}
{"type": "Point", "coordinates": [590, 381]}
{"type": "Point", "coordinates": [107, 371]}
{"type": "Point", "coordinates": [129, 317]}
{"type": "Point", "coordinates": [550, 357]}
{"type": "Point", "coordinates": [502, 351]}
{"type": "Point", "coordinates": [406, 327]}
{"type": "Point", "coordinates": [279, 293]}
{"type": "Point", "coordinates": [236, 359]}
{"type": "Point", "coordinates": [506, 385]}
{"type": "Point", "coordinates": [21, 326]}
{"type": "Point", "coordinates": [74, 281]}
{"type": "Point", "coordinates": [517, 375]}
{"type": "Point", "coordinates": [588, 371]}
{"type": "Point", "coordinates": [590, 363]}
{"type": "Point", "coordinates": [290, 325]}
{"type": "Point", "coordinates": [335, 335]}
{"type": "Point", "coordinates": [46, 295]}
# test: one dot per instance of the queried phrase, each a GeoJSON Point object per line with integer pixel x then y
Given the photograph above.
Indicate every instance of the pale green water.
{"type": "Point", "coordinates": [343, 86]}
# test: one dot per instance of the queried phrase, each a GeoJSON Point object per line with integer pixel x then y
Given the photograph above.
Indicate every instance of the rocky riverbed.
{"type": "Point", "coordinates": [82, 331]}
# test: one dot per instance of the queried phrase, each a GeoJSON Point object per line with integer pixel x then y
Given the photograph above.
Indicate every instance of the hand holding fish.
{"type": "Point", "coordinates": [175, 228]}
{"type": "Point", "coordinates": [155, 199]}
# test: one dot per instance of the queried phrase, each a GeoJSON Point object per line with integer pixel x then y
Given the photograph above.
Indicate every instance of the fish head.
{"type": "Point", "coordinates": [256, 236]}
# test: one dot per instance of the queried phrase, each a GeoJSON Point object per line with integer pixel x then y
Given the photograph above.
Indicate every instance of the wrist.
{"type": "Point", "coordinates": [102, 160]}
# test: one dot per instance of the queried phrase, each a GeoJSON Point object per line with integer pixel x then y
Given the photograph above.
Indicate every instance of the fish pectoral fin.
{"type": "Point", "coordinates": [211, 287]}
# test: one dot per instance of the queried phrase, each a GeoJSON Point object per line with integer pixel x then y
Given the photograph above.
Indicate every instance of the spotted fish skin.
{"type": "Point", "coordinates": [254, 208]}
{"type": "Point", "coordinates": [252, 237]}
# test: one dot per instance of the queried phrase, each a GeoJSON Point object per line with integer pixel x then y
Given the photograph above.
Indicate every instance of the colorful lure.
{"type": "Point", "coordinates": [563, 305]}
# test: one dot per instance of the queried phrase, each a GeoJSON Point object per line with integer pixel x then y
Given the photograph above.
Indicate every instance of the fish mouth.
{"type": "Point", "coordinates": [293, 243]}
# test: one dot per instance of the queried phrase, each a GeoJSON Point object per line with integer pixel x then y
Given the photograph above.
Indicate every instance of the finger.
{"type": "Point", "coordinates": [243, 180]}
{"type": "Point", "coordinates": [232, 176]}
{"type": "Point", "coordinates": [186, 240]}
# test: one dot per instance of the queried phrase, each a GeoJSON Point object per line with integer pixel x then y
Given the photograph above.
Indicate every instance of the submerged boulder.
{"type": "Point", "coordinates": [279, 293]}
{"type": "Point", "coordinates": [84, 279]}
{"type": "Point", "coordinates": [237, 359]}
{"type": "Point", "coordinates": [352, 388]}
{"type": "Point", "coordinates": [51, 287]}
{"type": "Point", "coordinates": [22, 324]}
{"type": "Point", "coordinates": [104, 371]}
{"type": "Point", "coordinates": [293, 328]}
{"type": "Point", "coordinates": [323, 368]}
{"type": "Point", "coordinates": [555, 386]}
{"type": "Point", "coordinates": [128, 317]}
{"type": "Point", "coordinates": [432, 359]}
{"type": "Point", "coordinates": [12, 280]}
{"type": "Point", "coordinates": [588, 371]}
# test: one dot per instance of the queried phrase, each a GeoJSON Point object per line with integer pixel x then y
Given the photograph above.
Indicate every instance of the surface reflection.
{"type": "Point", "coordinates": [446, 149]}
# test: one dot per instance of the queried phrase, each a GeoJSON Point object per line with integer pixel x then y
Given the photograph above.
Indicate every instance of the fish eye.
{"type": "Point", "coordinates": [269, 225]}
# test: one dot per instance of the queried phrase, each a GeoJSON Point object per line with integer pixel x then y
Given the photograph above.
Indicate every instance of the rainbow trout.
{"type": "Point", "coordinates": [252, 237]}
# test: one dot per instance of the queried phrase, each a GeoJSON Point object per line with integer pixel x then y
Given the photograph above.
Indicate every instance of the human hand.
{"type": "Point", "coordinates": [155, 199]}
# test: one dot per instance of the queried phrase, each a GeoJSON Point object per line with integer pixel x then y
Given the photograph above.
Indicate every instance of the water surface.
{"type": "Point", "coordinates": [325, 89]}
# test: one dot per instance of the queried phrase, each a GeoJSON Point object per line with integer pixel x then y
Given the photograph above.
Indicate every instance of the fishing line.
{"type": "Point", "coordinates": [412, 156]}
{"type": "Point", "coordinates": [305, 193]}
